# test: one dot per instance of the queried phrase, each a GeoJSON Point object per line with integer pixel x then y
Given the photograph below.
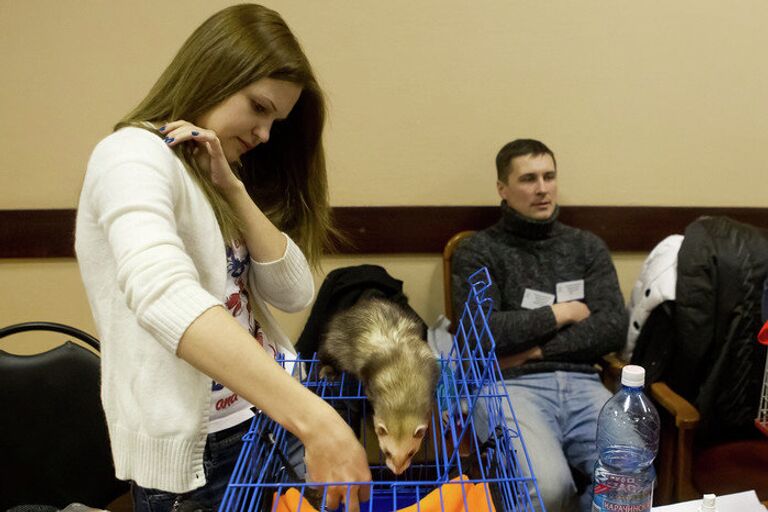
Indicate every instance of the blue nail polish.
{"type": "Point", "coordinates": [162, 129]}
{"type": "Point", "coordinates": [195, 133]}
{"type": "Point", "coordinates": [169, 139]}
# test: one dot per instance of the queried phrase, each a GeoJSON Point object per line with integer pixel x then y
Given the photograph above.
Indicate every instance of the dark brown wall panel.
{"type": "Point", "coordinates": [402, 229]}
{"type": "Point", "coordinates": [37, 233]}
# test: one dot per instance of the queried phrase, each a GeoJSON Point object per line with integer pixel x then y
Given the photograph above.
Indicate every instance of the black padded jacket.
{"type": "Point", "coordinates": [717, 363]}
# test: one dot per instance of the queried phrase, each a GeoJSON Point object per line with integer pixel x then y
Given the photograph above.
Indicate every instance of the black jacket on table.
{"type": "Point", "coordinates": [522, 254]}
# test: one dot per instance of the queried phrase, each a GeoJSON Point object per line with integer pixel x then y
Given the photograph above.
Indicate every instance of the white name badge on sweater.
{"type": "Point", "coordinates": [570, 290]}
{"type": "Point", "coordinates": [534, 299]}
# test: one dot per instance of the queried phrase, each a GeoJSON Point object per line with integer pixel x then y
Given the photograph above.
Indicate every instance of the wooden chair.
{"type": "Point", "coordinates": [685, 472]}
{"type": "Point", "coordinates": [448, 251]}
{"type": "Point", "coordinates": [610, 364]}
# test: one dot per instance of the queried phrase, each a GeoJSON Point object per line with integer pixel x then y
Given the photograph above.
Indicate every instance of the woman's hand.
{"type": "Point", "coordinates": [265, 242]}
{"type": "Point", "coordinates": [333, 454]}
{"type": "Point", "coordinates": [208, 152]}
{"type": "Point", "coordinates": [217, 345]}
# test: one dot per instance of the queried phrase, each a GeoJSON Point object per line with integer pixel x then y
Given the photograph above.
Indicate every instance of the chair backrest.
{"type": "Point", "coordinates": [54, 445]}
{"type": "Point", "coordinates": [450, 248]}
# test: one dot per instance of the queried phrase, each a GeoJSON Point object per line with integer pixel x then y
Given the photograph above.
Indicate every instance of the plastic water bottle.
{"type": "Point", "coordinates": [627, 442]}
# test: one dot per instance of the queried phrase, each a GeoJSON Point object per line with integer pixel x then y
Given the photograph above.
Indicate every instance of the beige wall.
{"type": "Point", "coordinates": [645, 103]}
{"type": "Point", "coordinates": [51, 290]}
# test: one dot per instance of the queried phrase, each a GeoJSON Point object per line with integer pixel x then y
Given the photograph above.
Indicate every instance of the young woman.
{"type": "Point", "coordinates": [185, 231]}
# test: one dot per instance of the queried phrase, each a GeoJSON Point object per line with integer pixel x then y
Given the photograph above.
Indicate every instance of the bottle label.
{"type": "Point", "coordinates": [622, 493]}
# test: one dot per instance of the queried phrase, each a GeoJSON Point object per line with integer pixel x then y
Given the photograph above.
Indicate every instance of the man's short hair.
{"type": "Point", "coordinates": [519, 147]}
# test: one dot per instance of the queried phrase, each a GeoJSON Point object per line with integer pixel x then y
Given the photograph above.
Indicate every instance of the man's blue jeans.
{"type": "Point", "coordinates": [557, 414]}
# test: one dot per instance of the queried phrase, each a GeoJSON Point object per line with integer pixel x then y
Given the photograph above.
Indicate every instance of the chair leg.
{"type": "Point", "coordinates": [684, 481]}
{"type": "Point", "coordinates": [666, 477]}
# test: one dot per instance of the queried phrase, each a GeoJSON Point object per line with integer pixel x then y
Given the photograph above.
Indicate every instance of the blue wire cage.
{"type": "Point", "coordinates": [468, 436]}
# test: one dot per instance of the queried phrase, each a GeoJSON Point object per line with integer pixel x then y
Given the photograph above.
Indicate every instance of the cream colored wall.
{"type": "Point", "coordinates": [51, 290]}
{"type": "Point", "coordinates": [645, 103]}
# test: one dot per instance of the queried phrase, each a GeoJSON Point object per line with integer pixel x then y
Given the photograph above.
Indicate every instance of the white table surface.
{"type": "Point", "coordinates": [739, 502]}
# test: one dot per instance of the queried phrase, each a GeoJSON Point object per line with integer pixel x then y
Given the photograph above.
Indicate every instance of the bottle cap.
{"type": "Point", "coordinates": [708, 503]}
{"type": "Point", "coordinates": [633, 376]}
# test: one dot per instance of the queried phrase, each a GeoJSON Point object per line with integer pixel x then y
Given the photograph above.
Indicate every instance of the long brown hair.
{"type": "Point", "coordinates": [286, 177]}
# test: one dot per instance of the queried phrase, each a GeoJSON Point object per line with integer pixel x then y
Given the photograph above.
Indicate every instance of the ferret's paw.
{"type": "Point", "coordinates": [328, 372]}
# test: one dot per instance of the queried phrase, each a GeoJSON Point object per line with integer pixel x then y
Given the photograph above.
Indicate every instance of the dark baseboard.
{"type": "Point", "coordinates": [403, 229]}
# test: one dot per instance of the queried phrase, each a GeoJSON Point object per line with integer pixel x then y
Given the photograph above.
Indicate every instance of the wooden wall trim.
{"type": "Point", "coordinates": [37, 233]}
{"type": "Point", "coordinates": [403, 229]}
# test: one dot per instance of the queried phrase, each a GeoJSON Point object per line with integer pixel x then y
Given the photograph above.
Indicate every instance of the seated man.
{"type": "Point", "coordinates": [557, 309]}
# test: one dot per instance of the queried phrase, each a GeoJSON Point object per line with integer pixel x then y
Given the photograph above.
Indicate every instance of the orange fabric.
{"type": "Point", "coordinates": [762, 337]}
{"type": "Point", "coordinates": [480, 499]}
{"type": "Point", "coordinates": [446, 498]}
{"type": "Point", "coordinates": [290, 502]}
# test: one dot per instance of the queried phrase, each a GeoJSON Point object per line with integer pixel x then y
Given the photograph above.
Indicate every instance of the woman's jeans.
{"type": "Point", "coordinates": [221, 451]}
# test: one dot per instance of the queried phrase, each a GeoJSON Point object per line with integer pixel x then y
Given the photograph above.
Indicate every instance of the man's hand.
{"type": "Point", "coordinates": [520, 358]}
{"type": "Point", "coordinates": [567, 313]}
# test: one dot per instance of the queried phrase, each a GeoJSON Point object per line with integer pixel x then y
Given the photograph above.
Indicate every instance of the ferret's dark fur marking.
{"type": "Point", "coordinates": [380, 343]}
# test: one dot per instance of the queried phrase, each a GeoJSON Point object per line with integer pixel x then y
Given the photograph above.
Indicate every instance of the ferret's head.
{"type": "Point", "coordinates": [399, 441]}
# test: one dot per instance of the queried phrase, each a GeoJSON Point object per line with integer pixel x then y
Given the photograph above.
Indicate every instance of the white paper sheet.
{"type": "Point", "coordinates": [739, 502]}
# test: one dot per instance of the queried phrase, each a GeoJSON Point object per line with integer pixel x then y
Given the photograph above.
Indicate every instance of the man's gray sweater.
{"type": "Point", "coordinates": [523, 254]}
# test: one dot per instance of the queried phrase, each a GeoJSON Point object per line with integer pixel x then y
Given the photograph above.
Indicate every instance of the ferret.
{"type": "Point", "coordinates": [380, 343]}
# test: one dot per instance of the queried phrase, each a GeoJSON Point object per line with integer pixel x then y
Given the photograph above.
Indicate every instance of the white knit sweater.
{"type": "Point", "coordinates": [152, 259]}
